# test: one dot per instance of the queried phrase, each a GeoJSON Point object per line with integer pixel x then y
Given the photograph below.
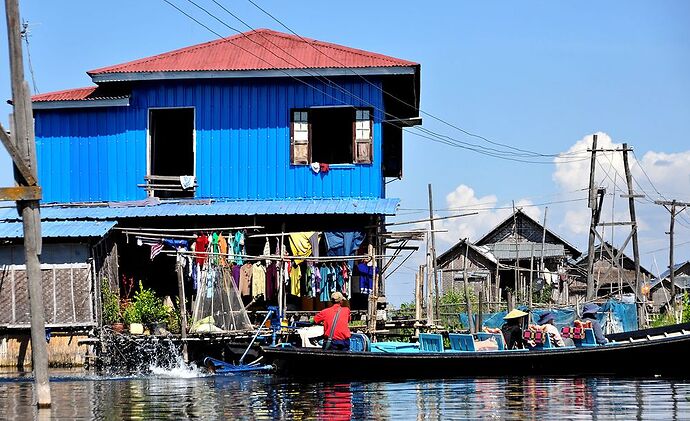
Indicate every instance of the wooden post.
{"type": "Point", "coordinates": [433, 253]}
{"type": "Point", "coordinates": [281, 275]}
{"type": "Point", "coordinates": [641, 306]}
{"type": "Point", "coordinates": [24, 146]}
{"type": "Point", "coordinates": [593, 224]}
{"type": "Point", "coordinates": [373, 297]}
{"type": "Point", "coordinates": [674, 213]}
{"type": "Point", "coordinates": [498, 289]}
{"type": "Point", "coordinates": [543, 244]}
{"type": "Point", "coordinates": [480, 311]}
{"type": "Point", "coordinates": [418, 298]}
{"type": "Point", "coordinates": [183, 307]}
{"type": "Point", "coordinates": [531, 271]}
{"type": "Point", "coordinates": [467, 295]}
{"type": "Point", "coordinates": [517, 255]}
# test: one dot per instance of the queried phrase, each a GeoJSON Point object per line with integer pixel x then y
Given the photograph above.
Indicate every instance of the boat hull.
{"type": "Point", "coordinates": [664, 357]}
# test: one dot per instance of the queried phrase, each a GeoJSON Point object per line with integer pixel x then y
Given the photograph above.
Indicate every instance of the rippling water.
{"type": "Point", "coordinates": [189, 395]}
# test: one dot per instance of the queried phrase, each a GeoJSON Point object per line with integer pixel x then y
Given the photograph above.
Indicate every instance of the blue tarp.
{"type": "Point", "coordinates": [620, 316]}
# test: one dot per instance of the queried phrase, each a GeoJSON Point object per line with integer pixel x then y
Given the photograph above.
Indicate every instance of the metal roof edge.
{"type": "Point", "coordinates": [81, 103]}
{"type": "Point", "coordinates": [235, 74]}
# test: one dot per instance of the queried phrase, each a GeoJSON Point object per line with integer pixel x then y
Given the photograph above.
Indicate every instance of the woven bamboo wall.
{"type": "Point", "coordinates": [67, 295]}
{"type": "Point", "coordinates": [63, 350]}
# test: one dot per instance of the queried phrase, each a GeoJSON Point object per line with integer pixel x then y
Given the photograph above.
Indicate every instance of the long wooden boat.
{"type": "Point", "coordinates": [663, 354]}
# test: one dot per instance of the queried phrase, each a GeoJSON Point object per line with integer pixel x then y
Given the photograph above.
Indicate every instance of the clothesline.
{"type": "Point", "coordinates": [188, 229]}
{"type": "Point", "coordinates": [276, 257]}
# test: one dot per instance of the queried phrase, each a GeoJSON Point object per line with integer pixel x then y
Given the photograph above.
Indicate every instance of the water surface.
{"type": "Point", "coordinates": [185, 394]}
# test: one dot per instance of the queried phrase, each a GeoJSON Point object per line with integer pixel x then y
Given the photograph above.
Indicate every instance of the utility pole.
{"type": "Point", "coordinates": [670, 206]}
{"type": "Point", "coordinates": [433, 255]}
{"type": "Point", "coordinates": [22, 150]}
{"type": "Point", "coordinates": [641, 306]}
{"type": "Point", "coordinates": [593, 222]}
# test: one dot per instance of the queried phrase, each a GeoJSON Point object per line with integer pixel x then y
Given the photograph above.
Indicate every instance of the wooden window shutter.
{"type": "Point", "coordinates": [363, 137]}
{"type": "Point", "coordinates": [299, 138]}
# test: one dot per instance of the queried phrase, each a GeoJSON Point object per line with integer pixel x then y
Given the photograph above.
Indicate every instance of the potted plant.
{"type": "Point", "coordinates": [132, 317]}
{"type": "Point", "coordinates": [111, 307]}
{"type": "Point", "coordinates": [150, 308]}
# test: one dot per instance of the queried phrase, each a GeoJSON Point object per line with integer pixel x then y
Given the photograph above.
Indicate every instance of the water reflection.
{"type": "Point", "coordinates": [79, 396]}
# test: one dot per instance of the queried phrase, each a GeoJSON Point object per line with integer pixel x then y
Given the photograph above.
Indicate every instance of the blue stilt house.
{"type": "Point", "coordinates": [262, 129]}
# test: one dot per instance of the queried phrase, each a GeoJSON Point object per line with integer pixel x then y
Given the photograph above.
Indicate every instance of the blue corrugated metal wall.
{"type": "Point", "coordinates": [242, 142]}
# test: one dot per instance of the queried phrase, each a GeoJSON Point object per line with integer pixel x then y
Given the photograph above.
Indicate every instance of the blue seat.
{"type": "Point", "coordinates": [359, 342]}
{"type": "Point", "coordinates": [461, 342]}
{"type": "Point", "coordinates": [482, 336]}
{"type": "Point", "coordinates": [394, 347]}
{"type": "Point", "coordinates": [588, 341]}
{"type": "Point", "coordinates": [430, 342]}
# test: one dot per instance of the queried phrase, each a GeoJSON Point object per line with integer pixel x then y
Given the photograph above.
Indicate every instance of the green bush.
{"type": "Point", "coordinates": [111, 304]}
{"type": "Point", "coordinates": [149, 307]}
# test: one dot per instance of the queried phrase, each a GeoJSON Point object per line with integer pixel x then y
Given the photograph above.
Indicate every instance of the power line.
{"type": "Point", "coordinates": [431, 135]}
{"type": "Point", "coordinates": [467, 132]}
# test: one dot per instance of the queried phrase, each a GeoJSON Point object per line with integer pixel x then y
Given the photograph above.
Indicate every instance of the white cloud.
{"type": "Point", "coordinates": [464, 200]}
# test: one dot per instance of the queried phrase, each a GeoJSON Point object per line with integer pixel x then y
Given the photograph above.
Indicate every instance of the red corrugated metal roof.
{"type": "Point", "coordinates": [262, 49]}
{"type": "Point", "coordinates": [77, 94]}
{"type": "Point", "coordinates": [90, 93]}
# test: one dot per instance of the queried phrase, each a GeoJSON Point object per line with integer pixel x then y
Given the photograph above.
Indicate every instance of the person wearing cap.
{"type": "Point", "coordinates": [546, 324]}
{"type": "Point", "coordinates": [512, 329]}
{"type": "Point", "coordinates": [335, 321]}
{"type": "Point", "coordinates": [589, 312]}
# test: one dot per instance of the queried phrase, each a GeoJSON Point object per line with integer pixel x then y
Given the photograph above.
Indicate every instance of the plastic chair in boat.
{"type": "Point", "coordinates": [430, 342]}
{"type": "Point", "coordinates": [461, 342]}
{"type": "Point", "coordinates": [359, 342]}
{"type": "Point", "coordinates": [482, 336]}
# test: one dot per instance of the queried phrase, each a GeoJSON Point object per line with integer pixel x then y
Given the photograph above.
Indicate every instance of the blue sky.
{"type": "Point", "coordinates": [538, 75]}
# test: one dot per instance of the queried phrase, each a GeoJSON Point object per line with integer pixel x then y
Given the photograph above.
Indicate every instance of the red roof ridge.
{"type": "Point", "coordinates": [248, 34]}
{"type": "Point", "coordinates": [339, 47]}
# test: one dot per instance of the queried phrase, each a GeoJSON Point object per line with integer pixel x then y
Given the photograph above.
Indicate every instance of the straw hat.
{"type": "Point", "coordinates": [514, 314]}
{"type": "Point", "coordinates": [337, 297]}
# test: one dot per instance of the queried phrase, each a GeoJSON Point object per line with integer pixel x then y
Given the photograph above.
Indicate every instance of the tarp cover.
{"type": "Point", "coordinates": [614, 317]}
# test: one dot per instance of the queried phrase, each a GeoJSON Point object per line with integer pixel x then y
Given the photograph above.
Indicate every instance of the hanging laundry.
{"type": "Point", "coordinates": [214, 248]}
{"type": "Point", "coordinates": [210, 282]}
{"type": "Point", "coordinates": [317, 281]}
{"type": "Point", "coordinates": [258, 279]}
{"type": "Point", "coordinates": [271, 280]}
{"type": "Point", "coordinates": [315, 167]}
{"type": "Point", "coordinates": [238, 247]}
{"type": "Point", "coordinates": [156, 249]}
{"type": "Point", "coordinates": [236, 275]}
{"type": "Point", "coordinates": [201, 244]}
{"type": "Point", "coordinates": [300, 244]}
{"type": "Point", "coordinates": [324, 168]}
{"type": "Point", "coordinates": [339, 280]}
{"type": "Point", "coordinates": [195, 276]}
{"type": "Point", "coordinates": [325, 294]}
{"type": "Point", "coordinates": [267, 251]}
{"type": "Point", "coordinates": [366, 277]}
{"type": "Point", "coordinates": [223, 249]}
{"type": "Point", "coordinates": [295, 276]}
{"type": "Point", "coordinates": [175, 243]}
{"type": "Point", "coordinates": [314, 240]}
{"type": "Point", "coordinates": [343, 243]}
{"type": "Point", "coordinates": [245, 279]}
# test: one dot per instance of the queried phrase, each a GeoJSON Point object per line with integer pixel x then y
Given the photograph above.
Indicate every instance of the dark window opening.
{"type": "Point", "coordinates": [331, 135]}
{"type": "Point", "coordinates": [172, 149]}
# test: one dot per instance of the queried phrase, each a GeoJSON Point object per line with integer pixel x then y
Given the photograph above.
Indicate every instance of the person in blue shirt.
{"type": "Point", "coordinates": [589, 312]}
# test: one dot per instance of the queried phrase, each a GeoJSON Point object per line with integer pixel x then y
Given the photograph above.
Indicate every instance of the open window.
{"type": "Point", "coordinates": [331, 135]}
{"type": "Point", "coordinates": [171, 153]}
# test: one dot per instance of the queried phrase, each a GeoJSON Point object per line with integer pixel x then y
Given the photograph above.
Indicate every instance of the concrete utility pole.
{"type": "Point", "coordinates": [433, 256]}
{"type": "Point", "coordinates": [641, 309]}
{"type": "Point", "coordinates": [593, 222]}
{"type": "Point", "coordinates": [22, 150]}
{"type": "Point", "coordinates": [671, 205]}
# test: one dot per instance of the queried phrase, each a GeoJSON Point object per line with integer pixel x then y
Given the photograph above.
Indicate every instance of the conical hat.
{"type": "Point", "coordinates": [514, 314]}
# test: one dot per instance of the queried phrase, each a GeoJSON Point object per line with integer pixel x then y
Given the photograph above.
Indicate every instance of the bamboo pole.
{"type": "Point", "coordinates": [467, 295]}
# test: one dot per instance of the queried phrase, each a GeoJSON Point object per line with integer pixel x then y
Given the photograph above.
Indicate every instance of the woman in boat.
{"type": "Point", "coordinates": [512, 329]}
{"type": "Point", "coordinates": [589, 312]}
{"type": "Point", "coordinates": [546, 324]}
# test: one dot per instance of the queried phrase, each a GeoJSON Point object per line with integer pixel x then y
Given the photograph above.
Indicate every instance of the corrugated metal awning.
{"type": "Point", "coordinates": [59, 229]}
{"type": "Point", "coordinates": [230, 208]}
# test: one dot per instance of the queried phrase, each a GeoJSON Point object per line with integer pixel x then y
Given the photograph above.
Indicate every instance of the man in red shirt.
{"type": "Point", "coordinates": [335, 321]}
